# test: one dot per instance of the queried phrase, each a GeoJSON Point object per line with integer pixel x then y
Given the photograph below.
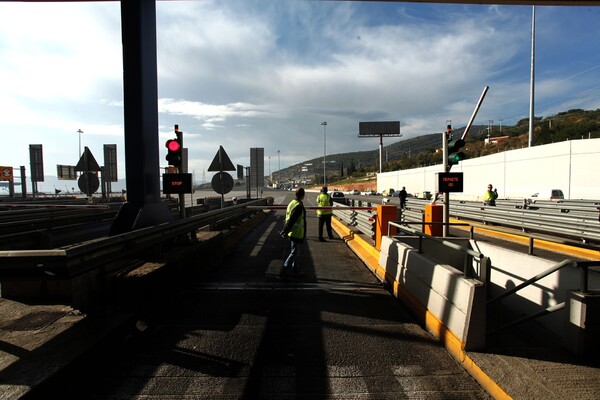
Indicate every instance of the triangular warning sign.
{"type": "Point", "coordinates": [87, 162]}
{"type": "Point", "coordinates": [221, 162]}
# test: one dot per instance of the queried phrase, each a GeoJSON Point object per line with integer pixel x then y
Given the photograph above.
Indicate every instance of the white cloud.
{"type": "Point", "coordinates": [263, 73]}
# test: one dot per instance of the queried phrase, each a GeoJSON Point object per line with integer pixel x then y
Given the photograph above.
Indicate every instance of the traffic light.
{"type": "Point", "coordinates": [454, 153]}
{"type": "Point", "coordinates": [174, 152]}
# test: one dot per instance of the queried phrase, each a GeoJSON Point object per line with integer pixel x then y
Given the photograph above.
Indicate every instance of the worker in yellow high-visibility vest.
{"type": "Point", "coordinates": [295, 229]}
{"type": "Point", "coordinates": [324, 200]}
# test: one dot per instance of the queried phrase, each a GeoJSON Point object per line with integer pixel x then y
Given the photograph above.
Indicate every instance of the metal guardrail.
{"type": "Point", "coordinates": [42, 226]}
{"type": "Point", "coordinates": [54, 220]}
{"type": "Point", "coordinates": [470, 255]}
{"type": "Point", "coordinates": [485, 264]}
{"type": "Point", "coordinates": [584, 267]}
{"type": "Point", "coordinates": [576, 220]}
{"type": "Point", "coordinates": [74, 260]}
{"type": "Point", "coordinates": [362, 219]}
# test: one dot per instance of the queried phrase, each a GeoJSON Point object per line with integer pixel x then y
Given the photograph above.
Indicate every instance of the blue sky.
{"type": "Point", "coordinates": [266, 73]}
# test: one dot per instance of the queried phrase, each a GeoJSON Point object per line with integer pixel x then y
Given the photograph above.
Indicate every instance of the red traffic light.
{"type": "Point", "coordinates": [174, 152]}
{"type": "Point", "coordinates": [173, 145]}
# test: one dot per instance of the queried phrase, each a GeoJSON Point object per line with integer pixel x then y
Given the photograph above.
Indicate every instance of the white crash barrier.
{"type": "Point", "coordinates": [451, 305]}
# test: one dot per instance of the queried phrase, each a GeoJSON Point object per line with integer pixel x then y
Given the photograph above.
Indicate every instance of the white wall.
{"type": "Point", "coordinates": [571, 166]}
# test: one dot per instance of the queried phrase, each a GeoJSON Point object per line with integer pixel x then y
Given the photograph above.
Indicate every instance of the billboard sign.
{"type": "Point", "coordinates": [380, 128]}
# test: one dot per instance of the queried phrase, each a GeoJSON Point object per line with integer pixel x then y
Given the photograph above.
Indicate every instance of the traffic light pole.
{"type": "Point", "coordinates": [180, 170]}
{"type": "Point", "coordinates": [455, 156]}
{"type": "Point", "coordinates": [447, 166]}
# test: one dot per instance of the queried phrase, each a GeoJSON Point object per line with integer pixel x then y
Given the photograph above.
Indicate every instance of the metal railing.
{"type": "Point", "coordinates": [575, 220]}
{"type": "Point", "coordinates": [583, 266]}
{"type": "Point", "coordinates": [485, 273]}
{"type": "Point", "coordinates": [470, 256]}
{"type": "Point", "coordinates": [74, 260]}
{"type": "Point", "coordinates": [362, 219]}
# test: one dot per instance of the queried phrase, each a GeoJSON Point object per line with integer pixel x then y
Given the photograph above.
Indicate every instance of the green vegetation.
{"type": "Point", "coordinates": [426, 149]}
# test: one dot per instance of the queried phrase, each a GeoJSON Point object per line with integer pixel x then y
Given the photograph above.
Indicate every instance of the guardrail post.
{"type": "Point", "coordinates": [485, 270]}
{"type": "Point", "coordinates": [468, 266]}
{"type": "Point", "coordinates": [583, 279]}
{"type": "Point", "coordinates": [530, 251]}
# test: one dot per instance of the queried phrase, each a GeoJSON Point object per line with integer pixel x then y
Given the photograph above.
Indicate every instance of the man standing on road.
{"type": "Point", "coordinates": [324, 200]}
{"type": "Point", "coordinates": [295, 229]}
{"type": "Point", "coordinates": [402, 196]}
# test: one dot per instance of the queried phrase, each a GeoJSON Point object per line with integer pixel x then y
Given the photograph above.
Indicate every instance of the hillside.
{"type": "Point", "coordinates": [421, 150]}
{"type": "Point", "coordinates": [364, 161]}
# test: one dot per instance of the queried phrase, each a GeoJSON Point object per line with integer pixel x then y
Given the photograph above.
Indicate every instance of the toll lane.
{"type": "Point", "coordinates": [244, 333]}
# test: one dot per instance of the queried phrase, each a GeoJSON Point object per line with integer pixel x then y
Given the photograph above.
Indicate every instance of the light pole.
{"type": "Point", "coordinates": [532, 79]}
{"type": "Point", "coordinates": [80, 132]}
{"type": "Point", "coordinates": [324, 152]}
{"type": "Point", "coordinates": [278, 168]}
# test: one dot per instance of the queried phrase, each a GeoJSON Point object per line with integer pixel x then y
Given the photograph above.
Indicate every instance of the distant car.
{"type": "Point", "coordinates": [354, 192]}
{"type": "Point", "coordinates": [337, 195]}
{"type": "Point", "coordinates": [388, 192]}
{"type": "Point", "coordinates": [371, 193]}
{"type": "Point", "coordinates": [546, 194]}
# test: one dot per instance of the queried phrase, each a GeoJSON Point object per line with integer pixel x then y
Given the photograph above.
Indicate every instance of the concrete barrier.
{"type": "Point", "coordinates": [451, 306]}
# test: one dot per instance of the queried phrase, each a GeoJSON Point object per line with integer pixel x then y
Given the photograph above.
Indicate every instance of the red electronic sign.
{"type": "Point", "coordinates": [450, 182]}
{"type": "Point", "coordinates": [177, 183]}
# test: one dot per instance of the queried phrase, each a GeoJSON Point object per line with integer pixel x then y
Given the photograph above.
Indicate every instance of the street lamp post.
{"type": "Point", "coordinates": [278, 168]}
{"type": "Point", "coordinates": [324, 152]}
{"type": "Point", "coordinates": [80, 132]}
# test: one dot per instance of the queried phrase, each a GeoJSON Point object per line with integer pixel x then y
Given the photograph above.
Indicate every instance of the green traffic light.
{"type": "Point", "coordinates": [454, 155]}
{"type": "Point", "coordinates": [454, 158]}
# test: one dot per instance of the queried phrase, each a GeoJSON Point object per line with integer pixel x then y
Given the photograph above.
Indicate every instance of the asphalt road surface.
{"type": "Point", "coordinates": [245, 334]}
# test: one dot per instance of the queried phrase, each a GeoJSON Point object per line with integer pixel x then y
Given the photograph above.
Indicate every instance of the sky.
{"type": "Point", "coordinates": [266, 73]}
